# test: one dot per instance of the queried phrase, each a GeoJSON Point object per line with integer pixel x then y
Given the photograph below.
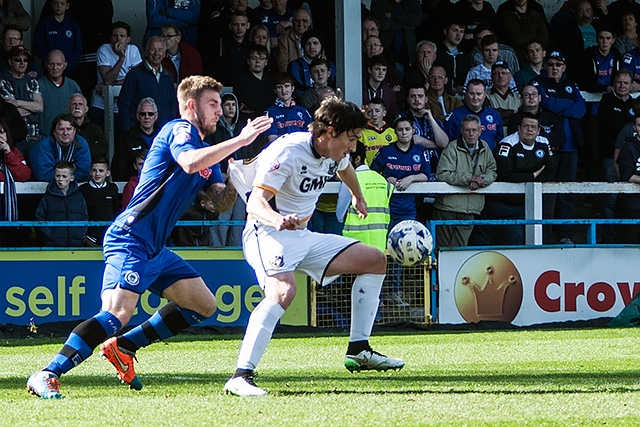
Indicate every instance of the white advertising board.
{"type": "Point", "coordinates": [532, 286]}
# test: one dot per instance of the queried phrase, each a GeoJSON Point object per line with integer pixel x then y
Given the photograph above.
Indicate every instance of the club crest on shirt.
{"type": "Point", "coordinates": [274, 166]}
{"type": "Point", "coordinates": [132, 278]}
{"type": "Point", "coordinates": [303, 170]}
{"type": "Point", "coordinates": [277, 261]}
{"type": "Point", "coordinates": [540, 153]}
{"type": "Point", "coordinates": [489, 118]}
{"type": "Point", "coordinates": [205, 173]}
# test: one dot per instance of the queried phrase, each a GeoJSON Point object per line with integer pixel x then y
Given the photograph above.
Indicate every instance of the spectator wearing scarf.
{"type": "Point", "coordinates": [12, 168]}
{"type": "Point", "coordinates": [63, 144]}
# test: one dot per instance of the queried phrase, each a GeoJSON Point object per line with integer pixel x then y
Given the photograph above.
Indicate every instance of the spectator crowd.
{"type": "Point", "coordinates": [455, 92]}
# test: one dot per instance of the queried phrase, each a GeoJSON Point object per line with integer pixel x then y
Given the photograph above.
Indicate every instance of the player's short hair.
{"type": "Point", "coordinates": [341, 115]}
{"type": "Point", "coordinates": [123, 25]}
{"type": "Point", "coordinates": [193, 87]}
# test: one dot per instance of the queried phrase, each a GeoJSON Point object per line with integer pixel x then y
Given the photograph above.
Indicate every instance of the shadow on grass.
{"type": "Point", "coordinates": [384, 383]}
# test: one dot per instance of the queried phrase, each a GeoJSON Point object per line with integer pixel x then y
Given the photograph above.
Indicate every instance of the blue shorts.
{"type": "Point", "coordinates": [130, 266]}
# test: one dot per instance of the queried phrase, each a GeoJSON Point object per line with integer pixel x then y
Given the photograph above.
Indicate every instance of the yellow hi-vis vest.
{"type": "Point", "coordinates": [371, 230]}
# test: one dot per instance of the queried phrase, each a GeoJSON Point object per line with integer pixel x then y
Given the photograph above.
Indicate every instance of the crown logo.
{"type": "Point", "coordinates": [489, 294]}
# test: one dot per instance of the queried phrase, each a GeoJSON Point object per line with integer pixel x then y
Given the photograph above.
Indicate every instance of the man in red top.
{"type": "Point", "coordinates": [183, 60]}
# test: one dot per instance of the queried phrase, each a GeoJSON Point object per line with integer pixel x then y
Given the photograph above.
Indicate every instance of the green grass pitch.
{"type": "Point", "coordinates": [569, 377]}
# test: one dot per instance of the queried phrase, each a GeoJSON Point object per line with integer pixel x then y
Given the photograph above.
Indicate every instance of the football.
{"type": "Point", "coordinates": [409, 243]}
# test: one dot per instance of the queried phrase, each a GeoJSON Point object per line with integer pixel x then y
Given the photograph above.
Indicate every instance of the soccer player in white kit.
{"type": "Point", "coordinates": [290, 175]}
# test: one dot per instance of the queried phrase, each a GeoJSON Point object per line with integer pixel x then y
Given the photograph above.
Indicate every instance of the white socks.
{"type": "Point", "coordinates": [365, 297]}
{"type": "Point", "coordinates": [262, 322]}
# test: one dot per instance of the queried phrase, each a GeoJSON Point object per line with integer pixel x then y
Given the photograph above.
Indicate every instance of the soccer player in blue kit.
{"type": "Point", "coordinates": [178, 165]}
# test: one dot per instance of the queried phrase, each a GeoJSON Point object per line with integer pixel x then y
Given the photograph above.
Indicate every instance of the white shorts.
{"type": "Point", "coordinates": [270, 252]}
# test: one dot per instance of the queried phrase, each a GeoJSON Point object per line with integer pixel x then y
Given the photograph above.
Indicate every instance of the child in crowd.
{"type": "Point", "coordinates": [130, 186]}
{"type": "Point", "coordinates": [287, 116]}
{"type": "Point", "coordinates": [62, 201]}
{"type": "Point", "coordinates": [378, 133]}
{"type": "Point", "coordinates": [203, 209]}
{"type": "Point", "coordinates": [102, 198]}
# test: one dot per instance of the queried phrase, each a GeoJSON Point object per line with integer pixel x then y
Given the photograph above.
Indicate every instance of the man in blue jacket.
{"type": "Point", "coordinates": [148, 79]}
{"type": "Point", "coordinates": [63, 144]}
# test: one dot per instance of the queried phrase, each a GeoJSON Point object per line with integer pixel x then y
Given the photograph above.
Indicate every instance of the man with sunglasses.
{"type": "Point", "coordinates": [560, 95]}
{"type": "Point", "coordinates": [23, 91]}
{"type": "Point", "coordinates": [136, 139]}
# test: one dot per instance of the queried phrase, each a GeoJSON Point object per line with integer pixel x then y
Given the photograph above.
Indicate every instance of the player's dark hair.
{"type": "Point", "coordinates": [341, 115]}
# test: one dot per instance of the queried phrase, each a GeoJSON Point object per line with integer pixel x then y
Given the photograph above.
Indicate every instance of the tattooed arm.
{"type": "Point", "coordinates": [223, 196]}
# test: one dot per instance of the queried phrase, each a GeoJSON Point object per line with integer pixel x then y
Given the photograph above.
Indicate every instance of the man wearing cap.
{"type": "Point", "coordinates": [501, 96]}
{"type": "Point", "coordinates": [23, 91]}
{"type": "Point", "coordinates": [561, 96]}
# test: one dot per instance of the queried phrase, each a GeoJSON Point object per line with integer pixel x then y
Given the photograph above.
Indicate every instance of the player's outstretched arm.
{"type": "Point", "coordinates": [193, 161]}
{"type": "Point", "coordinates": [258, 208]}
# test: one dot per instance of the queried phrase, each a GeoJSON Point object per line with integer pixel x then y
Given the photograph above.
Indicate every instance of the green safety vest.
{"type": "Point", "coordinates": [373, 229]}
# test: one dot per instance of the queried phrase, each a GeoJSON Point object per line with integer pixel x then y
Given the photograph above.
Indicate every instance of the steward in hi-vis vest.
{"type": "Point", "coordinates": [371, 230]}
